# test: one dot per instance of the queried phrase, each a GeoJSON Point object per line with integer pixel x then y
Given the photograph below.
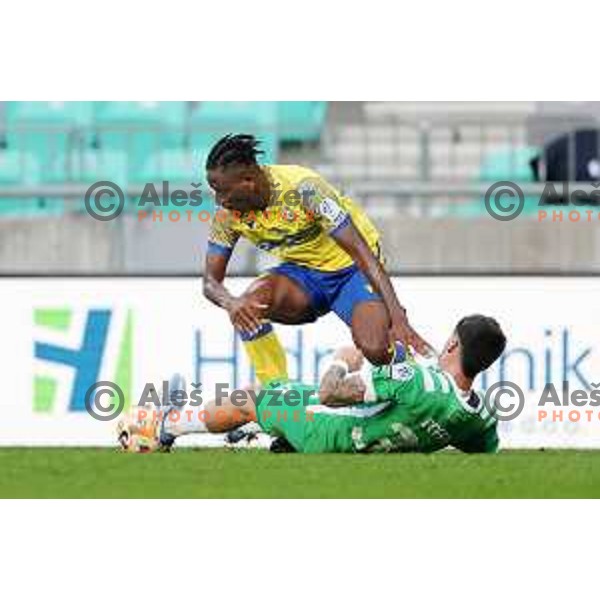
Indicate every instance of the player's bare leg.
{"type": "Point", "coordinates": [371, 332]}
{"type": "Point", "coordinates": [226, 413]}
{"type": "Point", "coordinates": [285, 301]}
{"type": "Point", "coordinates": [147, 429]}
{"type": "Point", "coordinates": [234, 410]}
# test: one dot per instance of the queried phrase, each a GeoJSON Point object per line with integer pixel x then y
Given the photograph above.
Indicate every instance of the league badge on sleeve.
{"type": "Point", "coordinates": [402, 372]}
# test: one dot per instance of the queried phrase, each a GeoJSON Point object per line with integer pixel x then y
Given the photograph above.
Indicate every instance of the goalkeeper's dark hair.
{"type": "Point", "coordinates": [239, 149]}
{"type": "Point", "coordinates": [482, 341]}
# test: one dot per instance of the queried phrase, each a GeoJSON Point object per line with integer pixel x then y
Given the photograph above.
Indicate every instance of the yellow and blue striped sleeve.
{"type": "Point", "coordinates": [222, 238]}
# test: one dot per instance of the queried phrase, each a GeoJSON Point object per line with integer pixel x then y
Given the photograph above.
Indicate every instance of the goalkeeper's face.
{"type": "Point", "coordinates": [450, 355]}
{"type": "Point", "coordinates": [239, 188]}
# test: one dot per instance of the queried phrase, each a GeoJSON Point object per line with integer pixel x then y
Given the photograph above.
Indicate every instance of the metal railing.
{"type": "Point", "coordinates": [430, 147]}
{"type": "Point", "coordinates": [423, 142]}
{"type": "Point", "coordinates": [419, 147]}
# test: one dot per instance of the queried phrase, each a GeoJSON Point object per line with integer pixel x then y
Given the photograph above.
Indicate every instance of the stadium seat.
{"type": "Point", "coordinates": [169, 113]}
{"type": "Point", "coordinates": [301, 121]}
{"type": "Point", "coordinates": [48, 130]}
{"type": "Point", "coordinates": [92, 166]}
{"type": "Point", "coordinates": [212, 120]}
{"type": "Point", "coordinates": [502, 165]}
{"type": "Point", "coordinates": [174, 165]}
{"type": "Point", "coordinates": [72, 113]}
{"type": "Point", "coordinates": [102, 165]}
{"type": "Point", "coordinates": [22, 168]}
{"type": "Point", "coordinates": [177, 167]}
{"type": "Point", "coordinates": [508, 165]}
{"type": "Point", "coordinates": [139, 128]}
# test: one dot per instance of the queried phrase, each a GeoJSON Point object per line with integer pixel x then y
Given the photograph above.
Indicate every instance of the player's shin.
{"type": "Point", "coordinates": [186, 420]}
{"type": "Point", "coordinates": [266, 354]}
{"type": "Point", "coordinates": [214, 417]}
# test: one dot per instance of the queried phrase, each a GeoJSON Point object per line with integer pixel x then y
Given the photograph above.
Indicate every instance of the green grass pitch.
{"type": "Point", "coordinates": [223, 473]}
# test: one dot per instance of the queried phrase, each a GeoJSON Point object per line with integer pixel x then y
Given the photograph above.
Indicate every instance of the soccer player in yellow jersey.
{"type": "Point", "coordinates": [329, 253]}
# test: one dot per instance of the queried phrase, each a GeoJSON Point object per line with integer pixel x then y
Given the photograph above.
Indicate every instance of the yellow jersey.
{"type": "Point", "coordinates": [299, 224]}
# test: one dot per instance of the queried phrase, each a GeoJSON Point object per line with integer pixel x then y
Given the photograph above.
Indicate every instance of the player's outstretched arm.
{"type": "Point", "coordinates": [215, 267]}
{"type": "Point", "coordinates": [352, 242]}
{"type": "Point", "coordinates": [342, 384]}
{"type": "Point", "coordinates": [245, 313]}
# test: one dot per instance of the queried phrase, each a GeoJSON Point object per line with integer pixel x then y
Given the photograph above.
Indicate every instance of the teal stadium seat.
{"type": "Point", "coordinates": [91, 166]}
{"type": "Point", "coordinates": [21, 168]}
{"type": "Point", "coordinates": [177, 167]}
{"type": "Point", "coordinates": [212, 120]}
{"type": "Point", "coordinates": [48, 130]}
{"type": "Point", "coordinates": [101, 165]}
{"type": "Point", "coordinates": [139, 128]}
{"type": "Point", "coordinates": [83, 142]}
{"type": "Point", "coordinates": [508, 165]}
{"type": "Point", "coordinates": [502, 165]}
{"type": "Point", "coordinates": [169, 113]}
{"type": "Point", "coordinates": [301, 121]}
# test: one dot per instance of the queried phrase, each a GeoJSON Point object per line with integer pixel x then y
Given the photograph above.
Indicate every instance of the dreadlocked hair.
{"type": "Point", "coordinates": [240, 149]}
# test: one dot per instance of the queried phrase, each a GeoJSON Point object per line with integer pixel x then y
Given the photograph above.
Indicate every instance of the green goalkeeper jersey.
{"type": "Point", "coordinates": [416, 408]}
{"type": "Point", "coordinates": [423, 411]}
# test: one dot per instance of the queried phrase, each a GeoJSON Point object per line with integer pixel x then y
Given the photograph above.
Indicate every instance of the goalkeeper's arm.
{"type": "Point", "coordinates": [346, 380]}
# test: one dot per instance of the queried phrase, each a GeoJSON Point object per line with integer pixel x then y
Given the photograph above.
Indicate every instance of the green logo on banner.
{"type": "Point", "coordinates": [87, 359]}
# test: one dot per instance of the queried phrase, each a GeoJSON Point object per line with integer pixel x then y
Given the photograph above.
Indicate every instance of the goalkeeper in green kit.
{"type": "Point", "coordinates": [402, 407]}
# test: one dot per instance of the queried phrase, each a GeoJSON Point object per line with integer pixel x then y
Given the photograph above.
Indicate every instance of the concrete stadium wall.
{"type": "Point", "coordinates": [74, 244]}
{"type": "Point", "coordinates": [487, 246]}
{"type": "Point", "coordinates": [80, 245]}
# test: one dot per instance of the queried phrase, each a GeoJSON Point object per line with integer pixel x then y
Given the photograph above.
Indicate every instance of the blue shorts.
{"type": "Point", "coordinates": [337, 291]}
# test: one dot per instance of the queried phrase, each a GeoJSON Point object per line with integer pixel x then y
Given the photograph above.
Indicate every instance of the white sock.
{"type": "Point", "coordinates": [181, 421]}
